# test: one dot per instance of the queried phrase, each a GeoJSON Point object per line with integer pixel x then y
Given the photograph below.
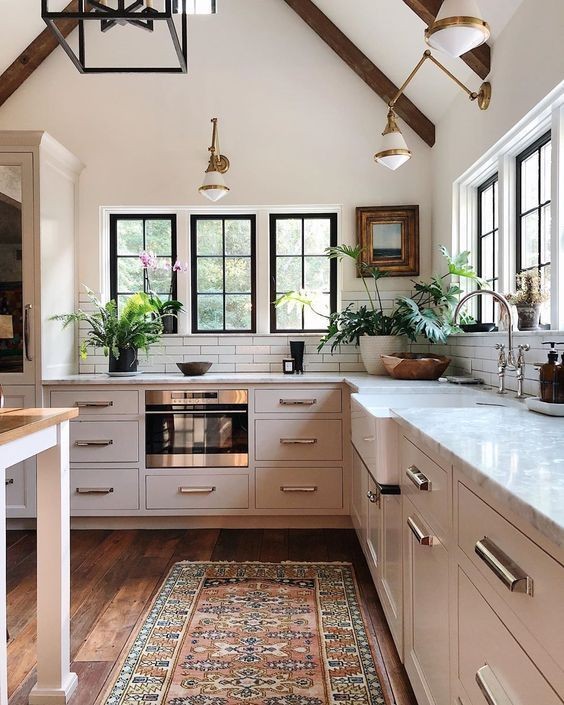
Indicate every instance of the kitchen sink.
{"type": "Point", "coordinates": [375, 434]}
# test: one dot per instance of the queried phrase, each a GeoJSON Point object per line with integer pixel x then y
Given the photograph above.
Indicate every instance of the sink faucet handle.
{"type": "Point", "coordinates": [524, 348]}
{"type": "Point", "coordinates": [500, 346]}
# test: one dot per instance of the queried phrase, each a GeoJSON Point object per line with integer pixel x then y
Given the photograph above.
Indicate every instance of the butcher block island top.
{"type": "Point", "coordinates": [19, 423]}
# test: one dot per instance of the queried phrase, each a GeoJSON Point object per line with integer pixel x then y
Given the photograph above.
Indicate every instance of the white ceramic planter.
{"type": "Point", "coordinates": [372, 347]}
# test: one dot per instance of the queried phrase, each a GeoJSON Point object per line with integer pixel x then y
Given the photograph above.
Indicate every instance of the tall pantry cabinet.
{"type": "Point", "coordinates": [38, 216]}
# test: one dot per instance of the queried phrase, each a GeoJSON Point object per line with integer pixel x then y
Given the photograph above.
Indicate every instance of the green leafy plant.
{"type": "Point", "coordinates": [529, 290]}
{"type": "Point", "coordinates": [427, 312]}
{"type": "Point", "coordinates": [137, 326]}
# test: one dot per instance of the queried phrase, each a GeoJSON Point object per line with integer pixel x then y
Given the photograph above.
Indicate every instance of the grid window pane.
{"type": "Point", "coordinates": [159, 278]}
{"type": "Point", "coordinates": [545, 171]}
{"type": "Point", "coordinates": [487, 269]}
{"type": "Point", "coordinates": [237, 237]}
{"type": "Point", "coordinates": [488, 244]}
{"type": "Point", "coordinates": [487, 210]}
{"type": "Point", "coordinates": [298, 262]}
{"type": "Point", "coordinates": [546, 218]}
{"type": "Point", "coordinates": [157, 237]}
{"type": "Point", "coordinates": [129, 237]}
{"type": "Point", "coordinates": [289, 237]}
{"type": "Point", "coordinates": [530, 240]}
{"type": "Point", "coordinates": [317, 235]}
{"type": "Point", "coordinates": [530, 182]}
{"type": "Point", "coordinates": [129, 274]}
{"type": "Point", "coordinates": [223, 284]}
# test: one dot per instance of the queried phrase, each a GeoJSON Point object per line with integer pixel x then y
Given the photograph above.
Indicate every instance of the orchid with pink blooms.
{"type": "Point", "coordinates": [171, 307]}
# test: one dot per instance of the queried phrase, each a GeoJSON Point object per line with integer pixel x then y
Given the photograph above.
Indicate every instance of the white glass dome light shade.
{"type": "Point", "coordinates": [393, 150]}
{"type": "Point", "coordinates": [214, 186]}
{"type": "Point", "coordinates": [458, 28]}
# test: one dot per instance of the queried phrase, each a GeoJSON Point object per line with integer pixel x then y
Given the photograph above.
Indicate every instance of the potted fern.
{"type": "Point", "coordinates": [120, 334]}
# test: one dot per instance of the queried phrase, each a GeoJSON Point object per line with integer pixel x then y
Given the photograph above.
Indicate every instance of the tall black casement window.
{"type": "Point", "coordinates": [488, 244]}
{"type": "Point", "coordinates": [223, 265]}
{"type": "Point", "coordinates": [533, 212]}
{"type": "Point", "coordinates": [131, 235]}
{"type": "Point", "coordinates": [298, 262]}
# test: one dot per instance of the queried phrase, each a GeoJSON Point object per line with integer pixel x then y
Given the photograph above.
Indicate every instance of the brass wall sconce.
{"type": "Point", "coordinates": [394, 150]}
{"type": "Point", "coordinates": [214, 186]}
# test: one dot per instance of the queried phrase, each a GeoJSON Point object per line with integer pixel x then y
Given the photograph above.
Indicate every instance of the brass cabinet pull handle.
{"type": "Point", "coordinates": [93, 404]}
{"type": "Point", "coordinates": [491, 688]}
{"type": "Point", "coordinates": [298, 402]}
{"type": "Point", "coordinates": [196, 490]}
{"type": "Point", "coordinates": [97, 444]}
{"type": "Point", "coordinates": [420, 480]}
{"type": "Point", "coordinates": [284, 488]}
{"type": "Point", "coordinates": [503, 567]}
{"type": "Point", "coordinates": [27, 332]}
{"type": "Point", "coordinates": [298, 441]}
{"type": "Point", "coordinates": [9, 481]}
{"type": "Point", "coordinates": [94, 490]}
{"type": "Point", "coordinates": [422, 538]}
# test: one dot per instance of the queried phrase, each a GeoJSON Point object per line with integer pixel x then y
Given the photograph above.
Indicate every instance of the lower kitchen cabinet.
{"type": "Point", "coordinates": [104, 490]}
{"type": "Point", "coordinates": [374, 524]}
{"type": "Point", "coordinates": [299, 488]}
{"type": "Point", "coordinates": [193, 491]}
{"type": "Point", "coordinates": [426, 616]}
{"type": "Point", "coordinates": [359, 502]}
{"type": "Point", "coordinates": [20, 478]}
{"type": "Point", "coordinates": [389, 579]}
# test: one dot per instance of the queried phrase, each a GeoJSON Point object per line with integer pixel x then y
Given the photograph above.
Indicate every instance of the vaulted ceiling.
{"type": "Point", "coordinates": [388, 32]}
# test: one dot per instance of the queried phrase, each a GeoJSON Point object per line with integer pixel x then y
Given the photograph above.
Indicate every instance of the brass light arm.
{"type": "Point", "coordinates": [218, 162]}
{"type": "Point", "coordinates": [483, 96]}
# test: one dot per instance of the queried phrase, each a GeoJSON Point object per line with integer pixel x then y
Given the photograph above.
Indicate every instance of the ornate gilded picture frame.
{"type": "Point", "coordinates": [389, 237]}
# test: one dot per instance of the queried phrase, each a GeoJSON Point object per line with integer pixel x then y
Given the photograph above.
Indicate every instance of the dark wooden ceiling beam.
{"type": "Point", "coordinates": [479, 59]}
{"type": "Point", "coordinates": [34, 55]}
{"type": "Point", "coordinates": [363, 67]}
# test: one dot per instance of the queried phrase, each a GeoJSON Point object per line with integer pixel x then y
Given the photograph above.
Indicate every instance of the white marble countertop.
{"type": "Point", "coordinates": [517, 456]}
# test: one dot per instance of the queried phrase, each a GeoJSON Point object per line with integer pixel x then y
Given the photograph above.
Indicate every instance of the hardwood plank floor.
{"type": "Point", "coordinates": [115, 574]}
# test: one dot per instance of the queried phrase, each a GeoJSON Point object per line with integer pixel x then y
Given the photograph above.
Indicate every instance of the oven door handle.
{"type": "Point", "coordinates": [194, 412]}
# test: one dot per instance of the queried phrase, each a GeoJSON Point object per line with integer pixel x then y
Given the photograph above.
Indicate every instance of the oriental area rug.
{"type": "Point", "coordinates": [250, 634]}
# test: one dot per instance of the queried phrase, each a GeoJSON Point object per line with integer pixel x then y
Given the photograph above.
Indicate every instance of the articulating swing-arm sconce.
{"type": "Point", "coordinates": [394, 151]}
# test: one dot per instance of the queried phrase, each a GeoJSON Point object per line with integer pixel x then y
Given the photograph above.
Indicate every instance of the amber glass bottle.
{"type": "Point", "coordinates": [549, 377]}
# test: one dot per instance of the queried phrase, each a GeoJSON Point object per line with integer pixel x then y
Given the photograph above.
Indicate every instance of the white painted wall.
{"type": "Point", "coordinates": [527, 63]}
{"type": "Point", "coordinates": [298, 125]}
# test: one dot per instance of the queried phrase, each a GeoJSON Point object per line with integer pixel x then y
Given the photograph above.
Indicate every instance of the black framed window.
{"type": "Point", "coordinates": [534, 212]}
{"type": "Point", "coordinates": [298, 262]}
{"type": "Point", "coordinates": [488, 244]}
{"type": "Point", "coordinates": [131, 235]}
{"type": "Point", "coordinates": [223, 273]}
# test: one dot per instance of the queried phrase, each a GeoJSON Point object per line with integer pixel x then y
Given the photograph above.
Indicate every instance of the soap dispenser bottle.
{"type": "Point", "coordinates": [549, 376]}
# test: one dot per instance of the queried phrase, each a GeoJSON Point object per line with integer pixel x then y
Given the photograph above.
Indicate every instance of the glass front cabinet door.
{"type": "Point", "coordinates": [16, 269]}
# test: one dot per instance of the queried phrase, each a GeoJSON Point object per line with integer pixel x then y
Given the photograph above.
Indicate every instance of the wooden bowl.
{"type": "Point", "coordinates": [415, 365]}
{"type": "Point", "coordinates": [194, 369]}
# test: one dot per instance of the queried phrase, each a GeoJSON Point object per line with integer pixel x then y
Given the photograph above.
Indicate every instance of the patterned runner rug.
{"type": "Point", "coordinates": [251, 634]}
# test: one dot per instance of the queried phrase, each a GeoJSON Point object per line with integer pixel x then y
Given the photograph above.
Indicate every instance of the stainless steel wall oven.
{"type": "Point", "coordinates": [203, 428]}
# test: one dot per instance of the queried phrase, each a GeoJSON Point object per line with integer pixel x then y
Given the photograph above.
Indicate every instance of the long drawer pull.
{"type": "Point", "coordinates": [491, 688]}
{"type": "Point", "coordinates": [196, 490]}
{"type": "Point", "coordinates": [93, 404]}
{"type": "Point", "coordinates": [298, 441]}
{"type": "Point", "coordinates": [94, 490]}
{"type": "Point", "coordinates": [503, 567]}
{"type": "Point", "coordinates": [9, 481]}
{"type": "Point", "coordinates": [286, 488]}
{"type": "Point", "coordinates": [96, 444]}
{"type": "Point", "coordinates": [420, 480]}
{"type": "Point", "coordinates": [298, 402]}
{"type": "Point", "coordinates": [422, 538]}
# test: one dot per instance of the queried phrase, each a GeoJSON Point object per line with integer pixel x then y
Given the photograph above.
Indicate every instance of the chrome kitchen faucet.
{"type": "Point", "coordinates": [504, 361]}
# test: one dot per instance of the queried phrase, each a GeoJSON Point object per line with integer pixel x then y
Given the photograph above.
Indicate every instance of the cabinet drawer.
{"type": "Point", "coordinates": [104, 489]}
{"type": "Point", "coordinates": [304, 439]}
{"type": "Point", "coordinates": [297, 400]}
{"type": "Point", "coordinates": [197, 492]}
{"type": "Point", "coordinates": [104, 442]}
{"type": "Point", "coordinates": [98, 403]}
{"type": "Point", "coordinates": [299, 488]}
{"type": "Point", "coordinates": [543, 611]}
{"type": "Point", "coordinates": [431, 497]}
{"type": "Point", "coordinates": [489, 652]}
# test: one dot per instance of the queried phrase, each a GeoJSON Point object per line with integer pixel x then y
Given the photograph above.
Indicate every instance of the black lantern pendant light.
{"type": "Point", "coordinates": [109, 13]}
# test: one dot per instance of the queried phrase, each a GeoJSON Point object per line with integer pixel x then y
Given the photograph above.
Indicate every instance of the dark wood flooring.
{"type": "Point", "coordinates": [114, 575]}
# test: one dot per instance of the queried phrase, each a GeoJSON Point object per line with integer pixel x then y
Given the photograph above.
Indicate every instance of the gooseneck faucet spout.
{"type": "Point", "coordinates": [503, 361]}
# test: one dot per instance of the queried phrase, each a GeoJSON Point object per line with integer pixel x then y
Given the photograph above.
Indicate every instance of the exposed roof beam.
{"type": "Point", "coordinates": [363, 67]}
{"type": "Point", "coordinates": [34, 55]}
{"type": "Point", "coordinates": [479, 59]}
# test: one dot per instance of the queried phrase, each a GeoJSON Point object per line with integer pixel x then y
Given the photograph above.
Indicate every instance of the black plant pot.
{"type": "Point", "coordinates": [297, 352]}
{"type": "Point", "coordinates": [126, 363]}
{"type": "Point", "coordinates": [168, 323]}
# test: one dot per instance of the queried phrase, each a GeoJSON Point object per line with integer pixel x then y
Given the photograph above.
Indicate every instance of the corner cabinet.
{"type": "Point", "coordinates": [38, 196]}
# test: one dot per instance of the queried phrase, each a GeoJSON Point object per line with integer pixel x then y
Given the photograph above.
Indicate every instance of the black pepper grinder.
{"type": "Point", "coordinates": [297, 352]}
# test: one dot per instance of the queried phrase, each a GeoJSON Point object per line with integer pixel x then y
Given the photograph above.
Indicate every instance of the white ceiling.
{"type": "Point", "coordinates": [387, 31]}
